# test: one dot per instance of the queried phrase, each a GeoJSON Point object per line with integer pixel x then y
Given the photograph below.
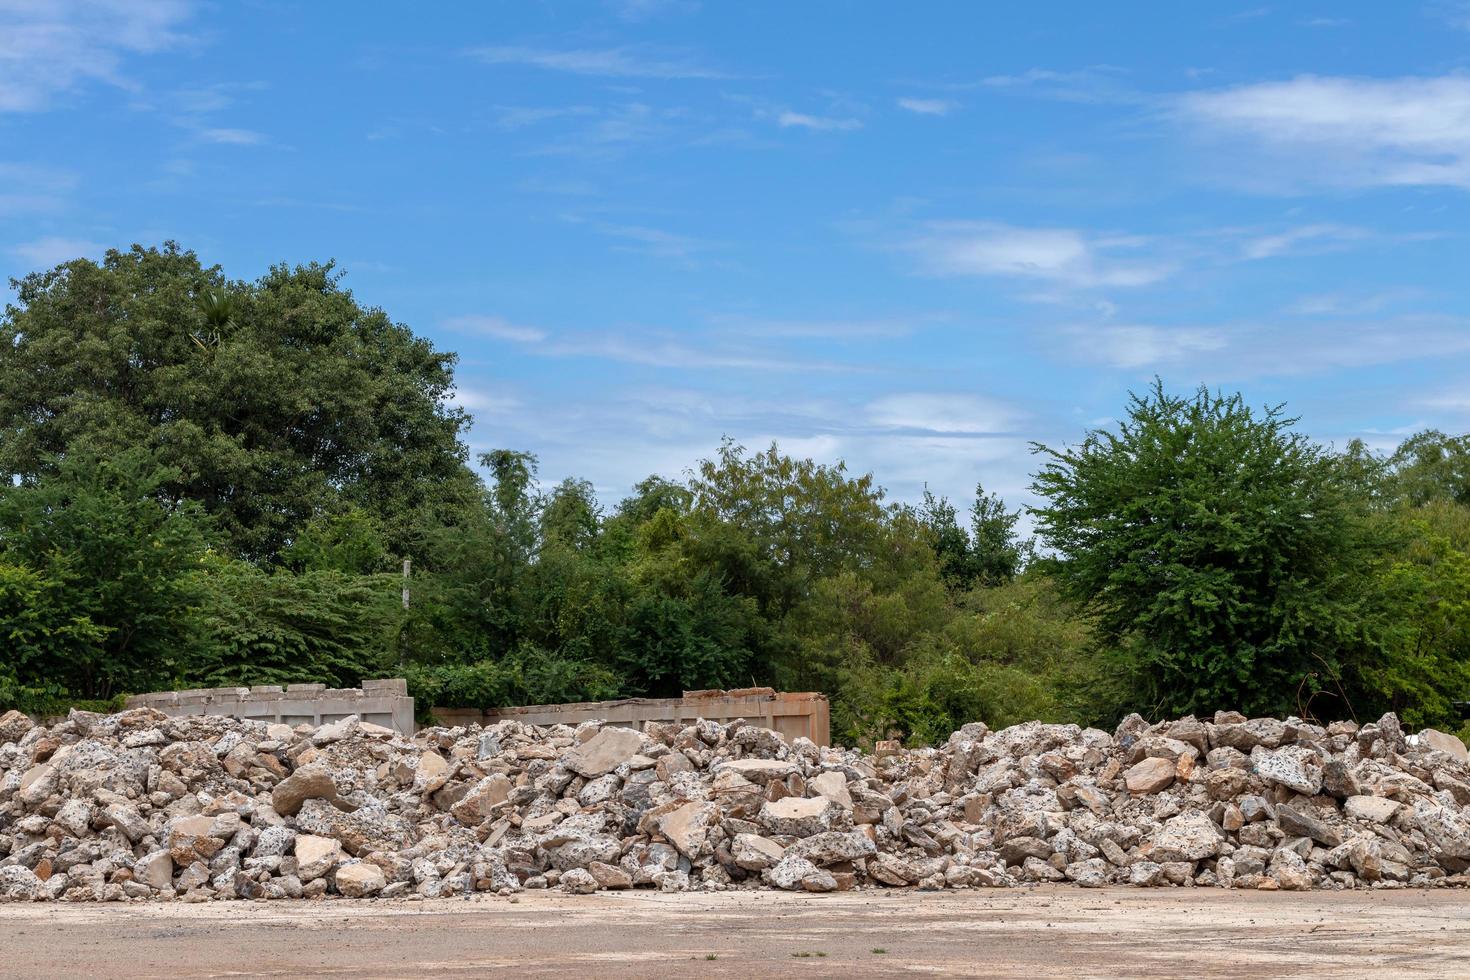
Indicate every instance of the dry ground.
{"type": "Point", "coordinates": [1050, 931]}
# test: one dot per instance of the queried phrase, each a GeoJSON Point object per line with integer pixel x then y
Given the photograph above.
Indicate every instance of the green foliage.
{"type": "Point", "coordinates": [206, 481]}
{"type": "Point", "coordinates": [1226, 551]}
{"type": "Point", "coordinates": [268, 403]}
{"type": "Point", "coordinates": [38, 626]}
{"type": "Point", "coordinates": [1430, 466]}
{"type": "Point", "coordinates": [321, 626]}
{"type": "Point", "coordinates": [528, 676]}
{"type": "Point", "coordinates": [989, 554]}
{"type": "Point", "coordinates": [350, 541]}
{"type": "Point", "coordinates": [110, 560]}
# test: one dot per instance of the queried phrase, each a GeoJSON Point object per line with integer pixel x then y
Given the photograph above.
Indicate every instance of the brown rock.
{"type": "Point", "coordinates": [1149, 776]}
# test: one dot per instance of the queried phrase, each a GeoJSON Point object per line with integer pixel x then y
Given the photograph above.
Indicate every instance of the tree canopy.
{"type": "Point", "coordinates": [206, 481]}
{"type": "Point", "coordinates": [270, 403]}
{"type": "Point", "coordinates": [1227, 547]}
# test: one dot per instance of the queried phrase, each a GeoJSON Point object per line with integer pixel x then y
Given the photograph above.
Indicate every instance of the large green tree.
{"type": "Point", "coordinates": [1229, 552]}
{"type": "Point", "coordinates": [102, 588]}
{"type": "Point", "coordinates": [274, 402]}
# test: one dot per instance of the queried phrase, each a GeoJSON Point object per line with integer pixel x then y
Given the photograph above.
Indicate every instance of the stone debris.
{"type": "Point", "coordinates": [139, 806]}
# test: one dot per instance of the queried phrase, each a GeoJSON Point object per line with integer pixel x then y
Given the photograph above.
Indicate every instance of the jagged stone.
{"type": "Point", "coordinates": [603, 752]}
{"type": "Point", "coordinates": [141, 806]}
{"type": "Point", "coordinates": [308, 783]}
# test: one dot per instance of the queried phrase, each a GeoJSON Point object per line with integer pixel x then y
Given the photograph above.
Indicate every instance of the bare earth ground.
{"type": "Point", "coordinates": [1049, 931]}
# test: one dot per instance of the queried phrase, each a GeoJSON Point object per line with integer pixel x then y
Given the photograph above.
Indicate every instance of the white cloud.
{"type": "Point", "coordinates": [943, 414]}
{"type": "Point", "coordinates": [1308, 238]}
{"type": "Point", "coordinates": [1131, 347]}
{"type": "Point", "coordinates": [654, 351]}
{"type": "Point", "coordinates": [48, 47]}
{"type": "Point", "coordinates": [1347, 131]}
{"type": "Point", "coordinates": [232, 137]}
{"type": "Point", "coordinates": [655, 241]}
{"type": "Point", "coordinates": [621, 62]}
{"type": "Point", "coordinates": [1232, 352]}
{"type": "Point", "coordinates": [483, 403]}
{"type": "Point", "coordinates": [496, 328]}
{"type": "Point", "coordinates": [1064, 256]}
{"type": "Point", "coordinates": [929, 107]}
{"type": "Point", "coordinates": [801, 120]}
{"type": "Point", "coordinates": [1100, 84]}
{"type": "Point", "coordinates": [43, 253]}
{"type": "Point", "coordinates": [868, 329]}
{"type": "Point", "coordinates": [1344, 304]}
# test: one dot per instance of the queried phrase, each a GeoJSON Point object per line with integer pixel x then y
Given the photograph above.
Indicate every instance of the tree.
{"type": "Point", "coordinates": [989, 554]}
{"type": "Point", "coordinates": [115, 561]}
{"type": "Point", "coordinates": [999, 554]}
{"type": "Point", "coordinates": [320, 626]}
{"type": "Point", "coordinates": [1431, 466]}
{"type": "Point", "coordinates": [1230, 553]}
{"type": "Point", "coordinates": [271, 402]}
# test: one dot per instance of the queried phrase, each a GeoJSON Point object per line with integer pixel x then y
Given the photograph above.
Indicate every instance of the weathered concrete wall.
{"type": "Point", "coordinates": [793, 715]}
{"type": "Point", "coordinates": [381, 702]}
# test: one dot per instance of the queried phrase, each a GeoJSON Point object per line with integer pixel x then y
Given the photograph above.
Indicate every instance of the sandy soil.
{"type": "Point", "coordinates": [1051, 931]}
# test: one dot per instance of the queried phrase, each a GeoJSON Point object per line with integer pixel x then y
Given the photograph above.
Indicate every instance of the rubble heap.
{"type": "Point", "coordinates": [141, 806]}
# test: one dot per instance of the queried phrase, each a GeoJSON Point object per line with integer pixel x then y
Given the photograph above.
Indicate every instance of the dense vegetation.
{"type": "Point", "coordinates": [207, 482]}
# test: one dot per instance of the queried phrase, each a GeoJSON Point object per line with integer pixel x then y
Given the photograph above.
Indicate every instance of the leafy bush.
{"type": "Point", "coordinates": [264, 627]}
{"type": "Point", "coordinates": [1230, 554]}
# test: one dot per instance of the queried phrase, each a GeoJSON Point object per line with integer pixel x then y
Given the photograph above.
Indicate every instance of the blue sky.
{"type": "Point", "coordinates": [914, 236]}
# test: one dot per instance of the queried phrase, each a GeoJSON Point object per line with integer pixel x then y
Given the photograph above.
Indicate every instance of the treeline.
{"type": "Point", "coordinates": [211, 482]}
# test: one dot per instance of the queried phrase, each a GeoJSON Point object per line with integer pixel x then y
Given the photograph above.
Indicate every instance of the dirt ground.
{"type": "Point", "coordinates": [1050, 931]}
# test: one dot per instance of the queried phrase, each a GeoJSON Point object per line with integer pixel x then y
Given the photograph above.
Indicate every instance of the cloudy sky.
{"type": "Point", "coordinates": [913, 236]}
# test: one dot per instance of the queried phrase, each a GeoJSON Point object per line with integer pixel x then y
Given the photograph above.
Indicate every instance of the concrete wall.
{"type": "Point", "coordinates": [382, 702]}
{"type": "Point", "coordinates": [792, 715]}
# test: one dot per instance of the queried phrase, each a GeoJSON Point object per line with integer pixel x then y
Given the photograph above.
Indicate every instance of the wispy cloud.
{"type": "Point", "coordinates": [1346, 131]}
{"type": "Point", "coordinates": [232, 137]}
{"type": "Point", "coordinates": [1131, 347]}
{"type": "Point", "coordinates": [1236, 351]}
{"type": "Point", "coordinates": [855, 329]}
{"type": "Point", "coordinates": [652, 350]}
{"type": "Point", "coordinates": [1455, 13]}
{"type": "Point", "coordinates": [519, 117]}
{"type": "Point", "coordinates": [43, 253]}
{"type": "Point", "coordinates": [655, 241]}
{"type": "Point", "coordinates": [802, 120]}
{"type": "Point", "coordinates": [636, 10]}
{"type": "Point", "coordinates": [1306, 239]}
{"type": "Point", "coordinates": [929, 107]}
{"type": "Point", "coordinates": [943, 414]}
{"type": "Point", "coordinates": [1347, 304]}
{"type": "Point", "coordinates": [483, 403]}
{"type": "Point", "coordinates": [620, 62]}
{"type": "Point", "coordinates": [1064, 256]}
{"type": "Point", "coordinates": [496, 328]}
{"type": "Point", "coordinates": [1100, 84]}
{"type": "Point", "coordinates": [48, 47]}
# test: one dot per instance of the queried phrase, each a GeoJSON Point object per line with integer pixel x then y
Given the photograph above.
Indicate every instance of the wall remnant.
{"type": "Point", "coordinates": [792, 714]}
{"type": "Point", "coordinates": [380, 702]}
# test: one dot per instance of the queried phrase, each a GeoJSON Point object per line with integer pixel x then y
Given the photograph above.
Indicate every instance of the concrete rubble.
{"type": "Point", "coordinates": [141, 806]}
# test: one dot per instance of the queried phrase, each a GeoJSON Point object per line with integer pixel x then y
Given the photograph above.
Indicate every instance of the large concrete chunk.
{"type": "Point", "coordinates": [603, 752]}
{"type": "Point", "coordinates": [798, 816]}
{"type": "Point", "coordinates": [1442, 742]}
{"type": "Point", "coordinates": [310, 783]}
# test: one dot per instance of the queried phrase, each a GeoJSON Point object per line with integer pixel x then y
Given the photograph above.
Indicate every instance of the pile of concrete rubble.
{"type": "Point", "coordinates": [141, 806]}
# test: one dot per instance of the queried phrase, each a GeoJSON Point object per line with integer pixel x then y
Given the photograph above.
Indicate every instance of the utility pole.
{"type": "Point", "coordinates": [403, 632]}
